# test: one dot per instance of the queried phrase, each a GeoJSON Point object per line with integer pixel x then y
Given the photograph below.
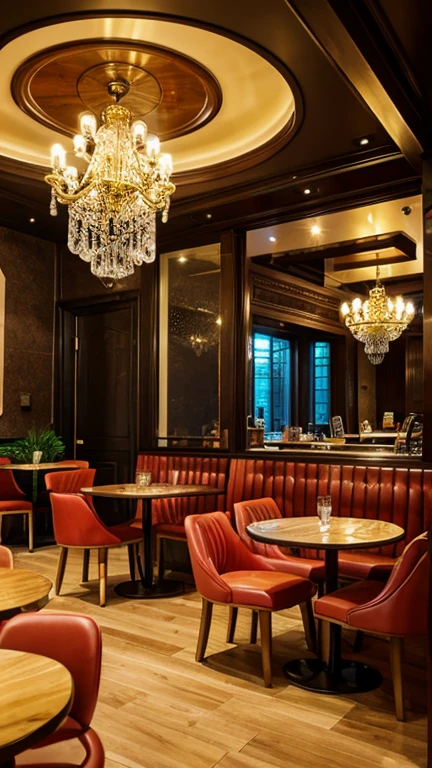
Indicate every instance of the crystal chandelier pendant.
{"type": "Point", "coordinates": [378, 320]}
{"type": "Point", "coordinates": [113, 205]}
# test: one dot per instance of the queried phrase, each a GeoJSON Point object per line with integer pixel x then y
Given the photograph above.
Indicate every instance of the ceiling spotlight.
{"type": "Point", "coordinates": [208, 215]}
{"type": "Point", "coordinates": [306, 191]}
{"type": "Point", "coordinates": [182, 259]}
{"type": "Point", "coordinates": [32, 221]}
{"type": "Point", "coordinates": [272, 239]}
{"type": "Point", "coordinates": [363, 141]}
{"type": "Point", "coordinates": [316, 230]}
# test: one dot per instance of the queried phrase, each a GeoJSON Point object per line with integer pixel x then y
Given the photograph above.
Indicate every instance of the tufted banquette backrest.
{"type": "Point", "coordinates": [399, 495]}
{"type": "Point", "coordinates": [193, 470]}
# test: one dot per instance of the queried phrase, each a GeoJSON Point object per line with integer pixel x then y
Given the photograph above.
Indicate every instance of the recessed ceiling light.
{"type": "Point", "coordinates": [208, 215]}
{"type": "Point", "coordinates": [306, 191]}
{"type": "Point", "coordinates": [32, 221]}
{"type": "Point", "coordinates": [316, 230]}
{"type": "Point", "coordinates": [272, 239]}
{"type": "Point", "coordinates": [182, 259]}
{"type": "Point", "coordinates": [363, 141]}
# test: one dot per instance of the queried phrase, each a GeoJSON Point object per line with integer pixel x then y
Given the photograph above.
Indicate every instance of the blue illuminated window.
{"type": "Point", "coordinates": [320, 395]}
{"type": "Point", "coordinates": [271, 359]}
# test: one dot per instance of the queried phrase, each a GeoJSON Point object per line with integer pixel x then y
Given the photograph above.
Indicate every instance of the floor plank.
{"type": "Point", "coordinates": [158, 708]}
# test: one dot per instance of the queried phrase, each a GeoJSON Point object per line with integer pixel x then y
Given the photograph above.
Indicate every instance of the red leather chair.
{"type": "Point", "coordinates": [6, 558]}
{"type": "Point", "coordinates": [396, 610]}
{"type": "Point", "coordinates": [78, 463]}
{"type": "Point", "coordinates": [74, 641]}
{"type": "Point", "coordinates": [13, 501]}
{"type": "Point", "coordinates": [253, 511]}
{"type": "Point", "coordinates": [227, 573]}
{"type": "Point", "coordinates": [77, 525]}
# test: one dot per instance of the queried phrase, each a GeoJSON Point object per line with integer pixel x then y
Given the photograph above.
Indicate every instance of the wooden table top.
{"type": "Point", "coordinates": [341, 533]}
{"type": "Point", "coordinates": [22, 590]}
{"type": "Point", "coordinates": [37, 467]}
{"type": "Point", "coordinates": [36, 694]}
{"type": "Point", "coordinates": [153, 491]}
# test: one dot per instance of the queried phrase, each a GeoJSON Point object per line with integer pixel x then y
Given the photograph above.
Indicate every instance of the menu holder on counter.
{"type": "Point", "coordinates": [337, 426]}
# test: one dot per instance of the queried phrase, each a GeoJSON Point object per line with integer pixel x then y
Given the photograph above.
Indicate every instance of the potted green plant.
{"type": "Point", "coordinates": [43, 439]}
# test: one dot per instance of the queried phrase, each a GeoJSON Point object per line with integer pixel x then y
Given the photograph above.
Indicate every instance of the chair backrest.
{"type": "Point", "coordinates": [247, 512]}
{"type": "Point", "coordinates": [6, 558]}
{"type": "Point", "coordinates": [215, 549]}
{"type": "Point", "coordinates": [73, 640]}
{"type": "Point", "coordinates": [401, 607]}
{"type": "Point", "coordinates": [78, 463]}
{"type": "Point", "coordinates": [9, 490]}
{"type": "Point", "coordinates": [76, 524]}
{"type": "Point", "coordinates": [70, 481]}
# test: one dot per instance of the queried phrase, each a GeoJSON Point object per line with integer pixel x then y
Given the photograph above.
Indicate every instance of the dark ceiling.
{"type": "Point", "coordinates": [321, 153]}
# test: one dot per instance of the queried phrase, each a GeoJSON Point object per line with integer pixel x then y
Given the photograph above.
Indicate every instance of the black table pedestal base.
{"type": "Point", "coordinates": [351, 677]}
{"type": "Point", "coordinates": [135, 590]}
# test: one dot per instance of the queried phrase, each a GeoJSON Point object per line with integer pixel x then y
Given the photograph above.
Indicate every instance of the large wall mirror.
{"type": "Point", "coordinates": [189, 348]}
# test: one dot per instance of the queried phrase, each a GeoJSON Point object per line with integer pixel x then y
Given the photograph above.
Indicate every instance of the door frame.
{"type": "Point", "coordinates": [65, 351]}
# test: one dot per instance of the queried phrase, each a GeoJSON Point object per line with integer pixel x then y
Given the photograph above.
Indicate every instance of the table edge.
{"type": "Point", "coordinates": [325, 545]}
{"type": "Point", "coordinates": [205, 491]}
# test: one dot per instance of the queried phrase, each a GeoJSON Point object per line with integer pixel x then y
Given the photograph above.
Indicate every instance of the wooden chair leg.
{"type": "Point", "coordinates": [61, 569]}
{"type": "Point", "coordinates": [396, 657]}
{"type": "Point", "coordinates": [266, 646]}
{"type": "Point", "coordinates": [160, 557]}
{"type": "Point", "coordinates": [30, 531]}
{"type": "Point", "coordinates": [103, 563]}
{"type": "Point", "coordinates": [324, 640]}
{"type": "Point", "coordinates": [254, 628]}
{"type": "Point", "coordinates": [309, 625]}
{"type": "Point", "coordinates": [86, 564]}
{"type": "Point", "coordinates": [204, 630]}
{"type": "Point", "coordinates": [232, 622]}
{"type": "Point", "coordinates": [358, 642]}
{"type": "Point", "coordinates": [131, 556]}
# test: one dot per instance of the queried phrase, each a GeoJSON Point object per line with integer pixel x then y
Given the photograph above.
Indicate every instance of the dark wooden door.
{"type": "Point", "coordinates": [102, 419]}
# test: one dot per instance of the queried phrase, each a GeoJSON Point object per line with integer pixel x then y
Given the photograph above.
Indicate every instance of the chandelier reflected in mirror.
{"type": "Point", "coordinates": [113, 204]}
{"type": "Point", "coordinates": [377, 320]}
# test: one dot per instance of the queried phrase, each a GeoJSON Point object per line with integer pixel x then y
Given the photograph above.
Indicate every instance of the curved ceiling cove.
{"type": "Point", "coordinates": [212, 100]}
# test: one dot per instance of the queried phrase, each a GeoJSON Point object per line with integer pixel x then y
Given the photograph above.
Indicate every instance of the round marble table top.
{"type": "Point", "coordinates": [340, 533]}
{"type": "Point", "coordinates": [22, 590]}
{"type": "Point", "coordinates": [37, 467]}
{"type": "Point", "coordinates": [153, 491]}
{"type": "Point", "coordinates": [36, 694]}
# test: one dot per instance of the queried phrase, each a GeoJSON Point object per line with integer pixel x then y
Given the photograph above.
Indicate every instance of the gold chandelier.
{"type": "Point", "coordinates": [378, 320]}
{"type": "Point", "coordinates": [112, 206]}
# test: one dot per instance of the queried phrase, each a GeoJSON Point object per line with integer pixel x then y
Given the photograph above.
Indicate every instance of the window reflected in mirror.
{"type": "Point", "coordinates": [189, 348]}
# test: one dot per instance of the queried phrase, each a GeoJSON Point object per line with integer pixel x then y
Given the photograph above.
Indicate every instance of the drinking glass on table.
{"type": "Point", "coordinates": [324, 509]}
{"type": "Point", "coordinates": [173, 476]}
{"type": "Point", "coordinates": [36, 457]}
{"type": "Point", "coordinates": [143, 478]}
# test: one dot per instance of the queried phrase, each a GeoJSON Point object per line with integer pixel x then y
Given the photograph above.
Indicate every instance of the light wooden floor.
{"type": "Point", "coordinates": [159, 709]}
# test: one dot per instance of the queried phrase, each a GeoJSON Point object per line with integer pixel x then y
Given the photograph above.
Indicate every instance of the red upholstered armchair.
{"type": "Point", "coordinates": [227, 573]}
{"type": "Point", "coordinates": [253, 511]}
{"type": "Point", "coordinates": [6, 558]}
{"type": "Point", "coordinates": [74, 641]}
{"type": "Point", "coordinates": [396, 610]}
{"type": "Point", "coordinates": [13, 501]}
{"type": "Point", "coordinates": [76, 524]}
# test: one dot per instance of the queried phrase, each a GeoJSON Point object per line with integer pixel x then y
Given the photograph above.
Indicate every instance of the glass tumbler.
{"type": "Point", "coordinates": [324, 509]}
{"type": "Point", "coordinates": [173, 476]}
{"type": "Point", "coordinates": [36, 457]}
{"type": "Point", "coordinates": [143, 479]}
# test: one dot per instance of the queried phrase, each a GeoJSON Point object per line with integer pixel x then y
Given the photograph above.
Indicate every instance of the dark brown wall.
{"type": "Point", "coordinates": [29, 266]}
{"type": "Point", "coordinates": [77, 282]}
{"type": "Point", "coordinates": [390, 382]}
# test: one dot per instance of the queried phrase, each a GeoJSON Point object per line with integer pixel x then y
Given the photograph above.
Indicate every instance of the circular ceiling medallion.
{"type": "Point", "coordinates": [174, 94]}
{"type": "Point", "coordinates": [219, 105]}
